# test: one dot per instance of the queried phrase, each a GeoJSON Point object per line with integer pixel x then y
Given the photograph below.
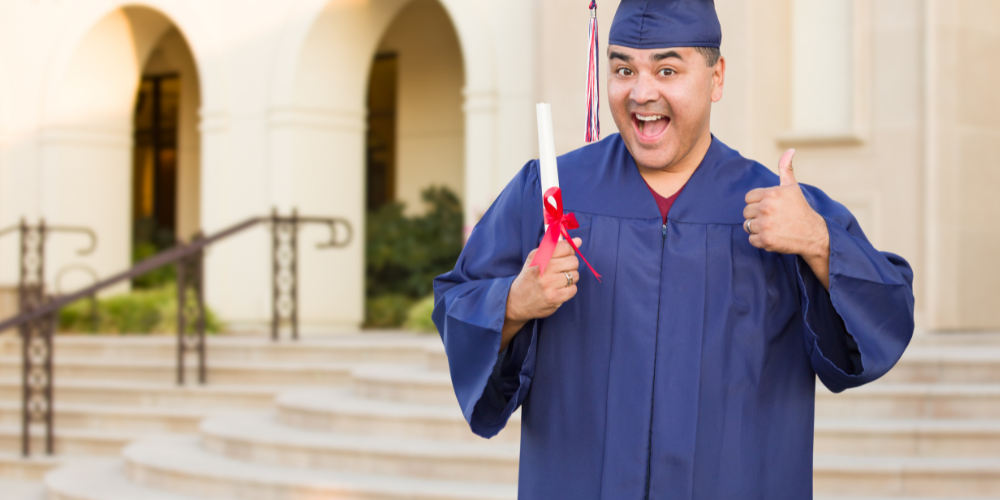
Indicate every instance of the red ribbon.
{"type": "Point", "coordinates": [559, 223]}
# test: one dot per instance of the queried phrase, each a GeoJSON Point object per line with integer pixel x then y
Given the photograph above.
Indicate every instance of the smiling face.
{"type": "Point", "coordinates": [661, 100]}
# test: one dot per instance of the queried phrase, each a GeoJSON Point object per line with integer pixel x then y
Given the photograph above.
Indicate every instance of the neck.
{"type": "Point", "coordinates": [668, 180]}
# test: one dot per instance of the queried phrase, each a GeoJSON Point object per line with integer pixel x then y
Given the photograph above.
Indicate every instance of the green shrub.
{"type": "Point", "coordinates": [387, 310]}
{"type": "Point", "coordinates": [419, 317]}
{"type": "Point", "coordinates": [139, 312]}
{"type": "Point", "coordinates": [404, 254]}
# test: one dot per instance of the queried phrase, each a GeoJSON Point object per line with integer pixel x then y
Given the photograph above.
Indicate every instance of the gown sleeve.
{"type": "Point", "coordinates": [859, 329]}
{"type": "Point", "coordinates": [470, 303]}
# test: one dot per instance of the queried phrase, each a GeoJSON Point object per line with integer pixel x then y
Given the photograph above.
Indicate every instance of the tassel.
{"type": "Point", "coordinates": [593, 90]}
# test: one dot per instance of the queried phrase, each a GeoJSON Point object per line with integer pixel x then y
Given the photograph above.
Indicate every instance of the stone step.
{"type": "Point", "coordinates": [259, 438]}
{"type": "Point", "coordinates": [926, 438]}
{"type": "Point", "coordinates": [403, 384]}
{"type": "Point", "coordinates": [68, 442]}
{"type": "Point", "coordinates": [906, 476]}
{"type": "Point", "coordinates": [852, 497]}
{"type": "Point", "coordinates": [16, 489]}
{"type": "Point", "coordinates": [437, 360]}
{"type": "Point", "coordinates": [947, 364]}
{"type": "Point", "coordinates": [348, 348]}
{"type": "Point", "coordinates": [121, 418]}
{"type": "Point", "coordinates": [101, 479]}
{"type": "Point", "coordinates": [218, 372]}
{"type": "Point", "coordinates": [910, 401]}
{"type": "Point", "coordinates": [340, 411]}
{"type": "Point", "coordinates": [975, 339]}
{"type": "Point", "coordinates": [150, 395]}
{"type": "Point", "coordinates": [178, 464]}
{"type": "Point", "coordinates": [13, 466]}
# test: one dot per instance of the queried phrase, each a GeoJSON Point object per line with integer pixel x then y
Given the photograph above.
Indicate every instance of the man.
{"type": "Point", "coordinates": [689, 371]}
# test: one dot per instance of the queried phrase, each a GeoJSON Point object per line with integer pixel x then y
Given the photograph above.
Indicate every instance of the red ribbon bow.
{"type": "Point", "coordinates": [559, 223]}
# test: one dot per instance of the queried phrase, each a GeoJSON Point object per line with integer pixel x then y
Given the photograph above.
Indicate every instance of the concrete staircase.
{"type": "Point", "coordinates": [387, 428]}
{"type": "Point", "coordinates": [111, 391]}
{"type": "Point", "coordinates": [929, 429]}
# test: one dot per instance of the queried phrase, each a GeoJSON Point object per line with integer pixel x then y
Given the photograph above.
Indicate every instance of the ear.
{"type": "Point", "coordinates": [718, 79]}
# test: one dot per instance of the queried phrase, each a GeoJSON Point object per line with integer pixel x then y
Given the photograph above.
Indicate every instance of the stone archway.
{"type": "Point", "coordinates": [87, 156]}
{"type": "Point", "coordinates": [317, 126]}
{"type": "Point", "coordinates": [421, 53]}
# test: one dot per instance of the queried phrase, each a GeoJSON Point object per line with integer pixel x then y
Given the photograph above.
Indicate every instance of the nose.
{"type": "Point", "coordinates": [644, 91]}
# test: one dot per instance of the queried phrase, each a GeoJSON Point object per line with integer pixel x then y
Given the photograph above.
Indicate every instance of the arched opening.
{"type": "Point", "coordinates": [121, 142]}
{"type": "Point", "coordinates": [318, 126]}
{"type": "Point", "coordinates": [415, 121]}
{"type": "Point", "coordinates": [165, 167]}
{"type": "Point", "coordinates": [415, 169]}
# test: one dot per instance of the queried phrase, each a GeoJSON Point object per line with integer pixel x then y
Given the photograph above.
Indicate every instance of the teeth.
{"type": "Point", "coordinates": [650, 118]}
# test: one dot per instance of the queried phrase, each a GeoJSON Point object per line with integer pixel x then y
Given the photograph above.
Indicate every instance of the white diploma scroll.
{"type": "Point", "coordinates": [548, 170]}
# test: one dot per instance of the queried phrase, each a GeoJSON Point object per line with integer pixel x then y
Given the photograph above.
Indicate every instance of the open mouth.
{"type": "Point", "coordinates": [650, 127]}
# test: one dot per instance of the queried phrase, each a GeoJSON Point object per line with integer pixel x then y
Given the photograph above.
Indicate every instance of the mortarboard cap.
{"type": "Point", "coordinates": [657, 24]}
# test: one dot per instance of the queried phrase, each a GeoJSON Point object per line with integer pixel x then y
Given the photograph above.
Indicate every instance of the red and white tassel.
{"type": "Point", "coordinates": [593, 90]}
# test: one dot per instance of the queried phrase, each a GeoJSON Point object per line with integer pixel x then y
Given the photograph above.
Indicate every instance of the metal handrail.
{"type": "Point", "coordinates": [37, 317]}
{"type": "Point", "coordinates": [167, 257]}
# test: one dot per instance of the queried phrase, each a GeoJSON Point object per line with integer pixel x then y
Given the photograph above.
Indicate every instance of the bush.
{"type": "Point", "coordinates": [419, 317]}
{"type": "Point", "coordinates": [139, 312]}
{"type": "Point", "coordinates": [387, 310]}
{"type": "Point", "coordinates": [156, 278]}
{"type": "Point", "coordinates": [405, 254]}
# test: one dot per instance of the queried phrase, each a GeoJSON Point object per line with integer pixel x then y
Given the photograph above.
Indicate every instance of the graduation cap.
{"type": "Point", "coordinates": [649, 24]}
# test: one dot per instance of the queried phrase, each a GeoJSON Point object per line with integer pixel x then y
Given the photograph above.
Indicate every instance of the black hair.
{"type": "Point", "coordinates": [711, 54]}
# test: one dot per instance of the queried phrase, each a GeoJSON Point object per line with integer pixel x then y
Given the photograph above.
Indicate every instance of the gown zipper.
{"type": "Point", "coordinates": [652, 399]}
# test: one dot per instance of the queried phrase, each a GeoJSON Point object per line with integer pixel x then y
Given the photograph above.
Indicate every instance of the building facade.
{"type": "Point", "coordinates": [135, 118]}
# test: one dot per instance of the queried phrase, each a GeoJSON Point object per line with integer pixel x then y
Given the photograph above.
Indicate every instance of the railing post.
{"type": "Point", "coordinates": [190, 280]}
{"type": "Point", "coordinates": [294, 272]}
{"type": "Point", "coordinates": [181, 271]}
{"type": "Point", "coordinates": [284, 273]}
{"type": "Point", "coordinates": [36, 340]}
{"type": "Point", "coordinates": [275, 275]}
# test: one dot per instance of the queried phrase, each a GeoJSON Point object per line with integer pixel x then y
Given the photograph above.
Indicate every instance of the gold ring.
{"type": "Point", "coordinates": [569, 279]}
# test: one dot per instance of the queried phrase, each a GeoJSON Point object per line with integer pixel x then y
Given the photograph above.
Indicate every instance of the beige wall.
{"type": "Point", "coordinates": [963, 170]}
{"type": "Point", "coordinates": [282, 123]}
{"type": "Point", "coordinates": [430, 126]}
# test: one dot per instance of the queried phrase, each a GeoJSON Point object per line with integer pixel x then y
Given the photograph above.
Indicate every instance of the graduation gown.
{"type": "Point", "coordinates": [689, 372]}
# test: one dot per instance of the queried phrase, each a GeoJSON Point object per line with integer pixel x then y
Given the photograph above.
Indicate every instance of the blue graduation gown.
{"type": "Point", "coordinates": [689, 373]}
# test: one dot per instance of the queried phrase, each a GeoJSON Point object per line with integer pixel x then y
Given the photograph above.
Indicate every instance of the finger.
{"type": "Point", "coordinates": [563, 264]}
{"type": "Point", "coordinates": [785, 168]}
{"type": "Point", "coordinates": [563, 248]}
{"type": "Point", "coordinates": [556, 281]}
{"type": "Point", "coordinates": [756, 241]}
{"type": "Point", "coordinates": [755, 195]}
{"type": "Point", "coordinates": [531, 257]}
{"type": "Point", "coordinates": [566, 293]}
{"type": "Point", "coordinates": [752, 211]}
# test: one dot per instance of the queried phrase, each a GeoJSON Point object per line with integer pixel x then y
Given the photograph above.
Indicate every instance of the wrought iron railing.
{"type": "Point", "coordinates": [36, 334]}
{"type": "Point", "coordinates": [38, 312]}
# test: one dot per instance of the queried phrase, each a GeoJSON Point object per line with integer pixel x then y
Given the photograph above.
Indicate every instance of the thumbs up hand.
{"type": "Point", "coordinates": [779, 219]}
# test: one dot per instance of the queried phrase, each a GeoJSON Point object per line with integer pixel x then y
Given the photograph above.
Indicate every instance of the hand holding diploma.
{"type": "Point", "coordinates": [548, 280]}
{"type": "Point", "coordinates": [779, 219]}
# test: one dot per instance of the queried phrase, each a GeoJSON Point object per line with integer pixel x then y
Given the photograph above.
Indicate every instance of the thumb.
{"type": "Point", "coordinates": [785, 168]}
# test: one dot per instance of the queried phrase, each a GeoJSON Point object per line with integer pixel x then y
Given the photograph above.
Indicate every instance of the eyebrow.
{"type": "Point", "coordinates": [656, 57]}
{"type": "Point", "coordinates": [666, 55]}
{"type": "Point", "coordinates": [619, 55]}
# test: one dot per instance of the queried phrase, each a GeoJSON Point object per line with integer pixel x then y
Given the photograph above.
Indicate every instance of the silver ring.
{"type": "Point", "coordinates": [746, 226]}
{"type": "Point", "coordinates": [569, 279]}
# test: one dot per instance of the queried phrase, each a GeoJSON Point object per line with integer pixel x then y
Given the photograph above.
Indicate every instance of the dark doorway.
{"type": "Point", "coordinates": [381, 139]}
{"type": "Point", "coordinates": [154, 188]}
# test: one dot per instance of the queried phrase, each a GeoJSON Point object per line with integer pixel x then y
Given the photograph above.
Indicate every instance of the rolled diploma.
{"type": "Point", "coordinates": [548, 170]}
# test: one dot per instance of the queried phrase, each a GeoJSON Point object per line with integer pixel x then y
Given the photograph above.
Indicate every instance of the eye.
{"type": "Point", "coordinates": [666, 72]}
{"type": "Point", "coordinates": [624, 72]}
